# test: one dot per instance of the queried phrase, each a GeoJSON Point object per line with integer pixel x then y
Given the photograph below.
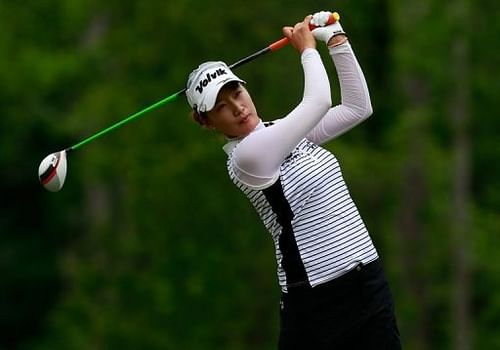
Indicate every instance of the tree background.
{"type": "Point", "coordinates": [150, 246]}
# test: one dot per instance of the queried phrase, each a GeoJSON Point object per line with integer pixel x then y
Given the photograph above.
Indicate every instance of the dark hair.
{"type": "Point", "coordinates": [200, 118]}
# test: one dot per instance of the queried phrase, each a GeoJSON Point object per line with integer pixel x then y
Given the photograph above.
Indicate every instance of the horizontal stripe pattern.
{"type": "Point", "coordinates": [330, 234]}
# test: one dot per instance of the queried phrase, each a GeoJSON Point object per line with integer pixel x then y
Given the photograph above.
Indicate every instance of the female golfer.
{"type": "Point", "coordinates": [334, 292]}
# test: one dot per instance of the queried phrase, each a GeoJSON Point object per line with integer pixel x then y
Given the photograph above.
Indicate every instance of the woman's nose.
{"type": "Point", "coordinates": [237, 108]}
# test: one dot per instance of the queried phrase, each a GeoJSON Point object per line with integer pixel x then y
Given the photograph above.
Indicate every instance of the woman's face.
{"type": "Point", "coordinates": [234, 113]}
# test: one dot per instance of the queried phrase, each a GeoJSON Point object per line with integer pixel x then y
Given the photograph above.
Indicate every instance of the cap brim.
{"type": "Point", "coordinates": [211, 96]}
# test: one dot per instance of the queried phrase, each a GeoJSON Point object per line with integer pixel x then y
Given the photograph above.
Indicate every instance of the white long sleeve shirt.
{"type": "Point", "coordinates": [297, 187]}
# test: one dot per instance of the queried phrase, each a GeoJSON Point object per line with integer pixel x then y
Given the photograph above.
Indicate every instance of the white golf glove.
{"type": "Point", "coordinates": [320, 19]}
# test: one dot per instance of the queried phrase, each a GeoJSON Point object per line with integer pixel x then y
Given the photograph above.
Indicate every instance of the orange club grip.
{"type": "Point", "coordinates": [279, 44]}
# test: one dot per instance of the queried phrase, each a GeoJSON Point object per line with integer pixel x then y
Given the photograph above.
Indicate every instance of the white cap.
{"type": "Point", "coordinates": [205, 82]}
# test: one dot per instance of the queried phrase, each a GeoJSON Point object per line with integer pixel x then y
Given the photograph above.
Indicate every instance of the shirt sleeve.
{"type": "Point", "coordinates": [257, 158]}
{"type": "Point", "coordinates": [355, 105]}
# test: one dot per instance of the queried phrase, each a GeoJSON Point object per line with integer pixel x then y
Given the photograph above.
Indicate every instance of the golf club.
{"type": "Point", "coordinates": [53, 168]}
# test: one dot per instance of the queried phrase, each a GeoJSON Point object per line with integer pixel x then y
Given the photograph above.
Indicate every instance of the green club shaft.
{"type": "Point", "coordinates": [130, 118]}
{"type": "Point", "coordinates": [273, 47]}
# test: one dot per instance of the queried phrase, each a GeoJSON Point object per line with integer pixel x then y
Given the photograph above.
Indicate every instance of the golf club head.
{"type": "Point", "coordinates": [52, 171]}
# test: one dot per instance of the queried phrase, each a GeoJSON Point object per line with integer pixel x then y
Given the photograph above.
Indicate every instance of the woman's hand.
{"type": "Point", "coordinates": [332, 34]}
{"type": "Point", "coordinates": [300, 35]}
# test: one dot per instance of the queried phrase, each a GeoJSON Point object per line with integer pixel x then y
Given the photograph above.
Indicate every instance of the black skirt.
{"type": "Point", "coordinates": [353, 311]}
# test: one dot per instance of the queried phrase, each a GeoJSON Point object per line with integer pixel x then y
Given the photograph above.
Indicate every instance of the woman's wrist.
{"type": "Point", "coordinates": [337, 40]}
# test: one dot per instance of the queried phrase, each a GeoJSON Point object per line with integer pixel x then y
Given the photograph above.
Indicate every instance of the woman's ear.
{"type": "Point", "coordinates": [197, 118]}
{"type": "Point", "coordinates": [202, 119]}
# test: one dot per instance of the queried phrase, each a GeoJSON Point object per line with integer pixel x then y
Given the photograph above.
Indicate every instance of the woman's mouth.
{"type": "Point", "coordinates": [244, 119]}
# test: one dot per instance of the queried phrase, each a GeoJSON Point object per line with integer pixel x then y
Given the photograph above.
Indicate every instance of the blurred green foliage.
{"type": "Point", "coordinates": [149, 245]}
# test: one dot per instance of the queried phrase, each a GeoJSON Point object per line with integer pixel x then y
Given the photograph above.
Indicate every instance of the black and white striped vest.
{"type": "Point", "coordinates": [316, 227]}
